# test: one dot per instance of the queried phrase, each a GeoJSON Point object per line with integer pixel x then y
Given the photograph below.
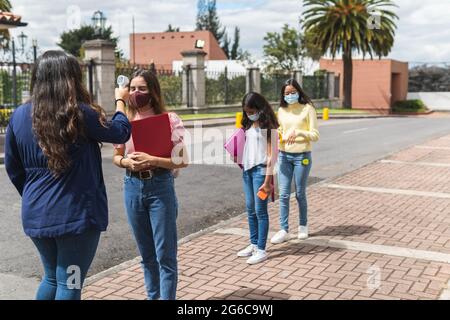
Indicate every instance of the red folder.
{"type": "Point", "coordinates": [153, 135]}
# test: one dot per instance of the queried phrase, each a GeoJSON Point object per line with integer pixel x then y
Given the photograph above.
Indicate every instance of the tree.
{"type": "Point", "coordinates": [5, 5]}
{"type": "Point", "coordinates": [172, 29]}
{"type": "Point", "coordinates": [71, 41]}
{"type": "Point", "coordinates": [235, 51]}
{"type": "Point", "coordinates": [285, 50]}
{"type": "Point", "coordinates": [345, 26]}
{"type": "Point", "coordinates": [226, 46]}
{"type": "Point", "coordinates": [208, 19]}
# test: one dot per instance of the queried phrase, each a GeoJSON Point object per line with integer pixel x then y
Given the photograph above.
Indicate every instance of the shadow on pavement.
{"type": "Point", "coordinates": [344, 230]}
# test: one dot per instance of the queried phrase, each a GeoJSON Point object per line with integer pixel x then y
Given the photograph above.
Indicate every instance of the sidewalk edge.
{"type": "Point", "coordinates": [125, 265]}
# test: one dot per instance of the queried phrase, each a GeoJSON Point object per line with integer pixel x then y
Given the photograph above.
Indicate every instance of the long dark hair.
{"type": "Point", "coordinates": [56, 93]}
{"type": "Point", "coordinates": [267, 120]}
{"type": "Point", "coordinates": [303, 99]}
{"type": "Point", "coordinates": [154, 88]}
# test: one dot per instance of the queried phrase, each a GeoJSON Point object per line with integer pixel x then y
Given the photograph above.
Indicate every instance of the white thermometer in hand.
{"type": "Point", "coordinates": [122, 81]}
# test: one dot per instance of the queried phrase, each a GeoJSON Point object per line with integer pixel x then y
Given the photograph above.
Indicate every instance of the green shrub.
{"type": "Point", "coordinates": [5, 115]}
{"type": "Point", "coordinates": [409, 106]}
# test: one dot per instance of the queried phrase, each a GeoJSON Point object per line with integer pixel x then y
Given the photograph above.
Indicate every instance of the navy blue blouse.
{"type": "Point", "coordinates": [76, 200]}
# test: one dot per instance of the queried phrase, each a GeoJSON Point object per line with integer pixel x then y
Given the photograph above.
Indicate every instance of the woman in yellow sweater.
{"type": "Point", "coordinates": [298, 128]}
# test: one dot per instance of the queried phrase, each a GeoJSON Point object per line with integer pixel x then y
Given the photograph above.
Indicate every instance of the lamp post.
{"type": "Point", "coordinates": [34, 50]}
{"type": "Point", "coordinates": [23, 41]}
{"type": "Point", "coordinates": [14, 75]}
{"type": "Point", "coordinates": [98, 22]}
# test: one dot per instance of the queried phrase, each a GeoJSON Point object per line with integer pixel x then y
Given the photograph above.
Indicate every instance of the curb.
{"type": "Point", "coordinates": [190, 123]}
{"type": "Point", "coordinates": [125, 265]}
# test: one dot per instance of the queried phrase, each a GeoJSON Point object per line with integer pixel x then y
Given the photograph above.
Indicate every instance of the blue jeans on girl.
{"type": "Point", "coordinates": [258, 216]}
{"type": "Point", "coordinates": [152, 210]}
{"type": "Point", "coordinates": [66, 262]}
{"type": "Point", "coordinates": [293, 165]}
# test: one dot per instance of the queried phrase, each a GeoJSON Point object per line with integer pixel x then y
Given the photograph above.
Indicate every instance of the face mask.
{"type": "Point", "coordinates": [292, 98]}
{"type": "Point", "coordinates": [254, 117]}
{"type": "Point", "coordinates": [139, 99]}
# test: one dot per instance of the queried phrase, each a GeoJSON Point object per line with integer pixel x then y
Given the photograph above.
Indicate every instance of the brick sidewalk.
{"type": "Point", "coordinates": [380, 232]}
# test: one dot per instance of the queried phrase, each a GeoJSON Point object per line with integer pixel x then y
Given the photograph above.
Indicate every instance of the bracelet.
{"type": "Point", "coordinates": [117, 100]}
{"type": "Point", "coordinates": [120, 163]}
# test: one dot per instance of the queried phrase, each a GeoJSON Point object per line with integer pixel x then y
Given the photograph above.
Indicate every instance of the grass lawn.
{"type": "Point", "coordinates": [233, 114]}
{"type": "Point", "coordinates": [207, 116]}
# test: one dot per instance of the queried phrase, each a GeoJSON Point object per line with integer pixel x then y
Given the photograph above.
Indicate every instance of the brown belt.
{"type": "Point", "coordinates": [147, 175]}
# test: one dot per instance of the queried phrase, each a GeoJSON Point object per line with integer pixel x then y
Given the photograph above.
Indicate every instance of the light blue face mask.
{"type": "Point", "coordinates": [254, 117]}
{"type": "Point", "coordinates": [292, 98]}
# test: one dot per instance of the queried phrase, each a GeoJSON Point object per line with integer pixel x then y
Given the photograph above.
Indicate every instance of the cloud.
{"type": "Point", "coordinates": [422, 35]}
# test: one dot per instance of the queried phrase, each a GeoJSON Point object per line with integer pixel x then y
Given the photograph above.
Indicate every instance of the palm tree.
{"type": "Point", "coordinates": [5, 5]}
{"type": "Point", "coordinates": [365, 26]}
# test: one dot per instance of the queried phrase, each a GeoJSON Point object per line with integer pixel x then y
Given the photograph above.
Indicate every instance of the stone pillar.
{"type": "Point", "coordinates": [101, 52]}
{"type": "Point", "coordinates": [298, 76]}
{"type": "Point", "coordinates": [194, 78]}
{"type": "Point", "coordinates": [253, 82]}
{"type": "Point", "coordinates": [331, 85]}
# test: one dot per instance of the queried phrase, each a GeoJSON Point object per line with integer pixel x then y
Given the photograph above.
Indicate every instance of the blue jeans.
{"type": "Point", "coordinates": [258, 216]}
{"type": "Point", "coordinates": [292, 166]}
{"type": "Point", "coordinates": [152, 210]}
{"type": "Point", "coordinates": [66, 262]}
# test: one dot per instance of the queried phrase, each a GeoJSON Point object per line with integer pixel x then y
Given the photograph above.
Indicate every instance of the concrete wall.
{"type": "Point", "coordinates": [165, 47]}
{"type": "Point", "coordinates": [376, 83]}
{"type": "Point", "coordinates": [437, 101]}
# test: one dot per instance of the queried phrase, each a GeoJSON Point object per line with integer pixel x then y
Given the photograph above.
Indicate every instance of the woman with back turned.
{"type": "Point", "coordinates": [53, 158]}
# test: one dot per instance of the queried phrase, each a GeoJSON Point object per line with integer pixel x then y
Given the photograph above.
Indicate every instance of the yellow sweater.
{"type": "Point", "coordinates": [301, 119]}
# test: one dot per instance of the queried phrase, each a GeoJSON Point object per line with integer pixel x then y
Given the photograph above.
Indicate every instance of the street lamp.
{"type": "Point", "coordinates": [34, 49]}
{"type": "Point", "coordinates": [23, 41]}
{"type": "Point", "coordinates": [98, 21]}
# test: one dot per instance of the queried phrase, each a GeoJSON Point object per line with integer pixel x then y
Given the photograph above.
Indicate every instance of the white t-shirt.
{"type": "Point", "coordinates": [255, 149]}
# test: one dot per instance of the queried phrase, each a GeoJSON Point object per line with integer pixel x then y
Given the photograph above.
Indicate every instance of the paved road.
{"type": "Point", "coordinates": [211, 193]}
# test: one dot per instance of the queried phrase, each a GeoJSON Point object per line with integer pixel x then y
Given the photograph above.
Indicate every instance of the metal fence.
{"type": "Point", "coordinates": [223, 88]}
{"type": "Point", "coordinates": [316, 87]}
{"type": "Point", "coordinates": [14, 84]}
{"type": "Point", "coordinates": [271, 84]}
{"type": "Point", "coordinates": [171, 82]}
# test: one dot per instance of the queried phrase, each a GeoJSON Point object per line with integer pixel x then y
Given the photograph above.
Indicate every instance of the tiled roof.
{"type": "Point", "coordinates": [10, 19]}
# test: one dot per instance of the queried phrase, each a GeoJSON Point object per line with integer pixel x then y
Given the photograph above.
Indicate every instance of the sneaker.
{"type": "Point", "coordinates": [257, 257]}
{"type": "Point", "coordinates": [247, 252]}
{"type": "Point", "coordinates": [302, 232]}
{"type": "Point", "coordinates": [280, 237]}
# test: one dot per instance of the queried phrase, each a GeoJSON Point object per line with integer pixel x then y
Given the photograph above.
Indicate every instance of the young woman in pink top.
{"type": "Point", "coordinates": [149, 191]}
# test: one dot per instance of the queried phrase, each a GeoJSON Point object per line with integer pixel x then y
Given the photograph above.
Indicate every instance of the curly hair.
{"type": "Point", "coordinates": [57, 92]}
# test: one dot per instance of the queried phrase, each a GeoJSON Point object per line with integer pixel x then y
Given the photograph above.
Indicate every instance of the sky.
{"type": "Point", "coordinates": [423, 33]}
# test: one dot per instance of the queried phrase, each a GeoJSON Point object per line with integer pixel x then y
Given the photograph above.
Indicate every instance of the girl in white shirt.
{"type": "Point", "coordinates": [260, 125]}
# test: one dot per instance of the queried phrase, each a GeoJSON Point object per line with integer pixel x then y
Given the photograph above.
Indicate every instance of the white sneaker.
{"type": "Point", "coordinates": [247, 252]}
{"type": "Point", "coordinates": [302, 232]}
{"type": "Point", "coordinates": [257, 257]}
{"type": "Point", "coordinates": [280, 237]}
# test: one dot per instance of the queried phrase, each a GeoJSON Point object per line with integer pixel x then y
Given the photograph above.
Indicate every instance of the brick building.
{"type": "Point", "coordinates": [165, 47]}
{"type": "Point", "coordinates": [377, 84]}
